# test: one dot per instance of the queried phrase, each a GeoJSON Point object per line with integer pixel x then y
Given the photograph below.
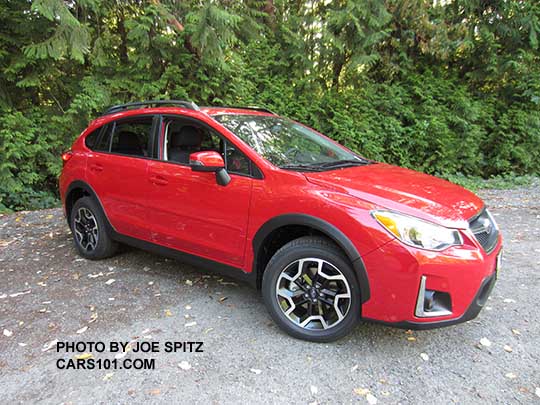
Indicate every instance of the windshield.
{"type": "Point", "coordinates": [287, 144]}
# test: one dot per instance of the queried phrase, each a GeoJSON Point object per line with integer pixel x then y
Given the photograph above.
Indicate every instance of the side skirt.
{"type": "Point", "coordinates": [195, 261]}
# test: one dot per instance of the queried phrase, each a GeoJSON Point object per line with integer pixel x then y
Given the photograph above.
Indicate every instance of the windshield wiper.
{"type": "Point", "coordinates": [317, 167]}
{"type": "Point", "coordinates": [344, 163]}
{"type": "Point", "coordinates": [300, 166]}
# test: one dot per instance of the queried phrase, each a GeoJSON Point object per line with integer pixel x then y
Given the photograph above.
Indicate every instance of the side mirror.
{"type": "Point", "coordinates": [210, 161]}
{"type": "Point", "coordinates": [207, 161]}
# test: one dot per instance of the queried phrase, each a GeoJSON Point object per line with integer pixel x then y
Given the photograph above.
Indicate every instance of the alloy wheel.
{"type": "Point", "coordinates": [85, 228]}
{"type": "Point", "coordinates": [313, 294]}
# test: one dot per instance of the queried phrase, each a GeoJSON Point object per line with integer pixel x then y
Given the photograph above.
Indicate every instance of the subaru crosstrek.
{"type": "Point", "coordinates": [328, 236]}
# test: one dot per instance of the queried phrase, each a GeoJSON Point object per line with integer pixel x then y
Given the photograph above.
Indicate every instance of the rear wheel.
{"type": "Point", "coordinates": [310, 290]}
{"type": "Point", "coordinates": [89, 231]}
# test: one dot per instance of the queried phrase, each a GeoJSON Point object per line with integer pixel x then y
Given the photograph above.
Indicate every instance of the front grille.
{"type": "Point", "coordinates": [485, 230]}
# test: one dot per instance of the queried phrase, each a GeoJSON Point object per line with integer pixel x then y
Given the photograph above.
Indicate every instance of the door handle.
{"type": "Point", "coordinates": [95, 167]}
{"type": "Point", "coordinates": [159, 180]}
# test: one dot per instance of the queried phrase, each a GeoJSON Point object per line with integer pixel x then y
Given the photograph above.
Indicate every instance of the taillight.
{"type": "Point", "coordinates": [66, 156]}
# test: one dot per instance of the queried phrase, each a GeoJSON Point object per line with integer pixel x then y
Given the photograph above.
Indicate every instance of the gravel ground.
{"type": "Point", "coordinates": [48, 293]}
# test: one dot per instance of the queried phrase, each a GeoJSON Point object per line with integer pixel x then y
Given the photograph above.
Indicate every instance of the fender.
{"type": "Point", "coordinates": [80, 184]}
{"type": "Point", "coordinates": [326, 228]}
{"type": "Point", "coordinates": [87, 188]}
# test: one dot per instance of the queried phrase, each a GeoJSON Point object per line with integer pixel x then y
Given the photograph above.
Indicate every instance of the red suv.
{"type": "Point", "coordinates": [328, 236]}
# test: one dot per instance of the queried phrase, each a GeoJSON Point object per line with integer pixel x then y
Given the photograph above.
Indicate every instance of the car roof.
{"type": "Point", "coordinates": [184, 104]}
{"type": "Point", "coordinates": [209, 111]}
{"type": "Point", "coordinates": [236, 110]}
{"type": "Point", "coordinates": [205, 110]}
{"type": "Point", "coordinates": [172, 106]}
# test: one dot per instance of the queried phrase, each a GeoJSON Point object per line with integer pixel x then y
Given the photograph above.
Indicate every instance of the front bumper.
{"type": "Point", "coordinates": [397, 274]}
{"type": "Point", "coordinates": [471, 313]}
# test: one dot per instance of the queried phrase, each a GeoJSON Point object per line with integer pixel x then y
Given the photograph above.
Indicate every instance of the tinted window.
{"type": "Point", "coordinates": [183, 138]}
{"type": "Point", "coordinates": [237, 162]}
{"type": "Point", "coordinates": [103, 143]}
{"type": "Point", "coordinates": [91, 138]}
{"type": "Point", "coordinates": [132, 137]}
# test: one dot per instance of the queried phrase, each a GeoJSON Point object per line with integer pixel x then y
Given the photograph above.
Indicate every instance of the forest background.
{"type": "Point", "coordinates": [448, 87]}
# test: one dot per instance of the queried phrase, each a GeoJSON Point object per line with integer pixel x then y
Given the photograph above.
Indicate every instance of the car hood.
{"type": "Point", "coordinates": [405, 191]}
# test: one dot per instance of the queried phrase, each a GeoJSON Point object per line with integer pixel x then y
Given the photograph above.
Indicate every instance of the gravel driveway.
{"type": "Point", "coordinates": [48, 293]}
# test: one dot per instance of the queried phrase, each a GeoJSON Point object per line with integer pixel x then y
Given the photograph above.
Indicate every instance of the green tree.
{"type": "Point", "coordinates": [447, 87]}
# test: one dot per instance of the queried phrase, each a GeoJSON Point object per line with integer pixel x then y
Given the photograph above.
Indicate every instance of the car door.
{"type": "Point", "coordinates": [190, 211]}
{"type": "Point", "coordinates": [117, 171]}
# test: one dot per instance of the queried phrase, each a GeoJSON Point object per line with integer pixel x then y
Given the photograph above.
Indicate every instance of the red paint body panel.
{"type": "Point", "coordinates": [285, 192]}
{"type": "Point", "coordinates": [395, 271]}
{"type": "Point", "coordinates": [406, 191]}
{"type": "Point", "coordinates": [173, 206]}
{"type": "Point", "coordinates": [121, 182]}
{"type": "Point", "coordinates": [194, 214]}
{"type": "Point", "coordinates": [207, 159]}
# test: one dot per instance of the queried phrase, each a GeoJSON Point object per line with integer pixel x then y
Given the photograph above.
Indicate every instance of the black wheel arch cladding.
{"type": "Point", "coordinates": [325, 228]}
{"type": "Point", "coordinates": [88, 191]}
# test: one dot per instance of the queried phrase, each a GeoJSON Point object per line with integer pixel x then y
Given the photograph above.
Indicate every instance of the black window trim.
{"type": "Point", "coordinates": [105, 129]}
{"type": "Point", "coordinates": [254, 171]}
{"type": "Point", "coordinates": [157, 144]}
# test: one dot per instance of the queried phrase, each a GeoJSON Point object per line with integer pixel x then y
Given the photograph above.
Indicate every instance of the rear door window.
{"type": "Point", "coordinates": [132, 137]}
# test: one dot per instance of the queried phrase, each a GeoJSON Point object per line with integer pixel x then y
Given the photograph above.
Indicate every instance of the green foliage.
{"type": "Point", "coordinates": [450, 88]}
{"type": "Point", "coordinates": [500, 182]}
{"type": "Point", "coordinates": [69, 36]}
{"type": "Point", "coordinates": [27, 165]}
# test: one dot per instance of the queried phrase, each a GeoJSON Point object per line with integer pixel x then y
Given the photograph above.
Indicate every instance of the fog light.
{"type": "Point", "coordinates": [428, 300]}
{"type": "Point", "coordinates": [432, 303]}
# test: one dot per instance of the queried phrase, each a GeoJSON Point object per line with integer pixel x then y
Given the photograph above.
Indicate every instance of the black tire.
{"type": "Point", "coordinates": [104, 246]}
{"type": "Point", "coordinates": [286, 258]}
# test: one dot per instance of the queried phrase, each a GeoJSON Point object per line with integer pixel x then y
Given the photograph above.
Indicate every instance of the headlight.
{"type": "Point", "coordinates": [416, 232]}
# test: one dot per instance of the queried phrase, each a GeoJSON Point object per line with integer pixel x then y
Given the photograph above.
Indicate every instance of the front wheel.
{"type": "Point", "coordinates": [310, 290]}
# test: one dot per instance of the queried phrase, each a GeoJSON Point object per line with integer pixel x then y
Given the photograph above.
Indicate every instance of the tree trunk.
{"type": "Point", "coordinates": [339, 62]}
{"type": "Point", "coordinates": [269, 9]}
{"type": "Point", "coordinates": [122, 49]}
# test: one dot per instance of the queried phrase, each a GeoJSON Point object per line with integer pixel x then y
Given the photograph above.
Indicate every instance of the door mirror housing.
{"type": "Point", "coordinates": [207, 161]}
{"type": "Point", "coordinates": [210, 161]}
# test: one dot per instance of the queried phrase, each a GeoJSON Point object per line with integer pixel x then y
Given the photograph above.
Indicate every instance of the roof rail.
{"type": "Point", "coordinates": [181, 103]}
{"type": "Point", "coordinates": [252, 107]}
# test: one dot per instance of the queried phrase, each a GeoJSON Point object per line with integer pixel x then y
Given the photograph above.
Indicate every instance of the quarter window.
{"type": "Point", "coordinates": [97, 143]}
{"type": "Point", "coordinates": [91, 139]}
{"type": "Point", "coordinates": [104, 142]}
